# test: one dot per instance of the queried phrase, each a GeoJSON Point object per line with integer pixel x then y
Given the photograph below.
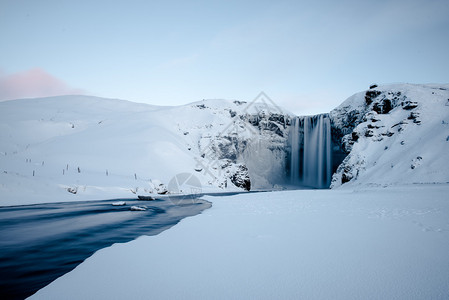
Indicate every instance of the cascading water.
{"type": "Point", "coordinates": [294, 163]}
{"type": "Point", "coordinates": [310, 161]}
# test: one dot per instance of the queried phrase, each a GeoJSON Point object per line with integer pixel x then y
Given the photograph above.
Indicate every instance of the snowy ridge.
{"type": "Point", "coordinates": [81, 147]}
{"type": "Point", "coordinates": [394, 134]}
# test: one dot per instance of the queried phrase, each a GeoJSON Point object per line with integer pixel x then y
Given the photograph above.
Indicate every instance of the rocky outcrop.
{"type": "Point", "coordinates": [380, 128]}
{"type": "Point", "coordinates": [249, 149]}
{"type": "Point", "coordinates": [240, 178]}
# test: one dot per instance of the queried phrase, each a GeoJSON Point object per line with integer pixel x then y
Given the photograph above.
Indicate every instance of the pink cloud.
{"type": "Point", "coordinates": [33, 83]}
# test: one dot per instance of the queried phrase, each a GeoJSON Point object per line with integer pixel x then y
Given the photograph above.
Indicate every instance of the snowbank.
{"type": "Point", "coordinates": [380, 243]}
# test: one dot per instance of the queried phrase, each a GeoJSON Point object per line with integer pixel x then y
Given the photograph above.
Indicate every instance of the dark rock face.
{"type": "Point", "coordinates": [414, 116]}
{"type": "Point", "coordinates": [229, 147]}
{"type": "Point", "coordinates": [369, 133]}
{"type": "Point", "coordinates": [383, 107]}
{"type": "Point", "coordinates": [347, 126]}
{"type": "Point", "coordinates": [272, 122]}
{"type": "Point", "coordinates": [345, 177]}
{"type": "Point", "coordinates": [382, 118]}
{"type": "Point", "coordinates": [370, 95]}
{"type": "Point", "coordinates": [241, 178]}
{"type": "Point", "coordinates": [339, 150]}
{"type": "Point", "coordinates": [346, 119]}
{"type": "Point", "coordinates": [236, 102]}
{"type": "Point", "coordinates": [246, 151]}
{"type": "Point", "coordinates": [408, 105]}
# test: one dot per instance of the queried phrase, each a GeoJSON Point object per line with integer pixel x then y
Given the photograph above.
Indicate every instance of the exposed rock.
{"type": "Point", "coordinates": [72, 190]}
{"type": "Point", "coordinates": [369, 133]}
{"type": "Point", "coordinates": [416, 162]}
{"type": "Point", "coordinates": [345, 178]}
{"type": "Point", "coordinates": [359, 122]}
{"type": "Point", "coordinates": [408, 105]}
{"type": "Point", "coordinates": [240, 178]}
{"type": "Point", "coordinates": [383, 107]}
{"type": "Point", "coordinates": [370, 95]}
{"type": "Point", "coordinates": [371, 116]}
{"type": "Point", "coordinates": [370, 126]}
{"type": "Point", "coordinates": [254, 143]}
{"type": "Point", "coordinates": [414, 116]}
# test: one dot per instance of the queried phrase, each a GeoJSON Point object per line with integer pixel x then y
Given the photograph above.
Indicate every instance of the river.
{"type": "Point", "coordinates": [39, 243]}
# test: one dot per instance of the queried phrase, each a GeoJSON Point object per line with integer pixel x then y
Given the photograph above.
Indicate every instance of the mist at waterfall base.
{"type": "Point", "coordinates": [310, 160]}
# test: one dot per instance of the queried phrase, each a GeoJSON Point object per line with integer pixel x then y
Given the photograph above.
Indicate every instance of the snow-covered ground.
{"type": "Point", "coordinates": [70, 148]}
{"type": "Point", "coordinates": [367, 243]}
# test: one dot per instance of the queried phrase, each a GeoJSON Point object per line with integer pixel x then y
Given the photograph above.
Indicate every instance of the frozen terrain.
{"type": "Point", "coordinates": [83, 148]}
{"type": "Point", "coordinates": [80, 147]}
{"type": "Point", "coordinates": [394, 134]}
{"type": "Point", "coordinates": [371, 243]}
{"type": "Point", "coordinates": [380, 233]}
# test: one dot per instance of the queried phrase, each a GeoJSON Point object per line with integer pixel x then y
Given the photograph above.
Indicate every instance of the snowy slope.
{"type": "Point", "coordinates": [82, 147]}
{"type": "Point", "coordinates": [376, 243]}
{"type": "Point", "coordinates": [394, 134]}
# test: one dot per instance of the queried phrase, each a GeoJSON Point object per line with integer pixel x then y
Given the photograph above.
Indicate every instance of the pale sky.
{"type": "Point", "coordinates": [308, 56]}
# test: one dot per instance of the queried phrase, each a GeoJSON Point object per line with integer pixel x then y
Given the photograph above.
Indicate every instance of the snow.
{"type": "Point", "coordinates": [383, 235]}
{"type": "Point", "coordinates": [417, 150]}
{"type": "Point", "coordinates": [138, 208]}
{"type": "Point", "coordinates": [69, 148]}
{"type": "Point", "coordinates": [364, 243]}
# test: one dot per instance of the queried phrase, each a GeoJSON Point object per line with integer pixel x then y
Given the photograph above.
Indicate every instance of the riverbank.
{"type": "Point", "coordinates": [369, 243]}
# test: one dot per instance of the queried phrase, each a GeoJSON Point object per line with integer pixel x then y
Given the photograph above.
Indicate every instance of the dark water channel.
{"type": "Point", "coordinates": [39, 243]}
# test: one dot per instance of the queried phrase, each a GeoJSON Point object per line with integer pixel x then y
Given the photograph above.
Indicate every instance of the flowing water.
{"type": "Point", "coordinates": [311, 163]}
{"type": "Point", "coordinates": [39, 243]}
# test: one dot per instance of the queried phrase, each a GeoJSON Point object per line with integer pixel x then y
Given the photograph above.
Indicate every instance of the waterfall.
{"type": "Point", "coordinates": [294, 162]}
{"type": "Point", "coordinates": [311, 151]}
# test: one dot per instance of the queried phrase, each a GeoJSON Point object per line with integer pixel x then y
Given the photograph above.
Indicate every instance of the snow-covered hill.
{"type": "Point", "coordinates": [81, 147]}
{"type": "Point", "coordinates": [394, 134]}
